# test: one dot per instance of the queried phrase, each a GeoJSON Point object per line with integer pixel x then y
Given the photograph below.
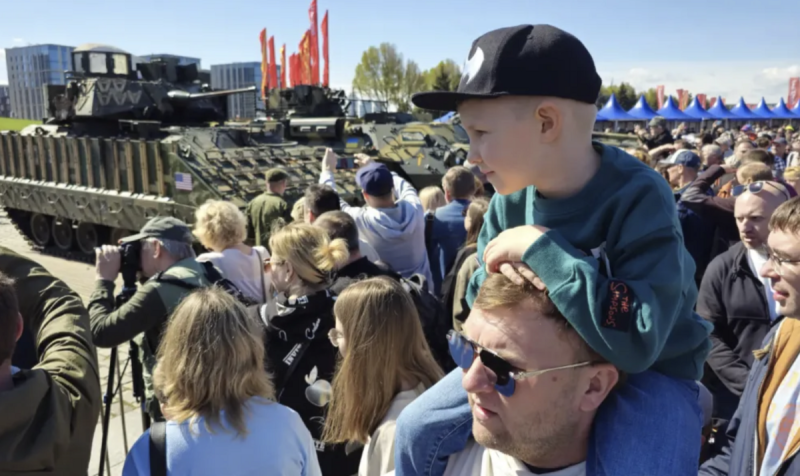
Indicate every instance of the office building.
{"type": "Point", "coordinates": [5, 101]}
{"type": "Point", "coordinates": [31, 67]}
{"type": "Point", "coordinates": [240, 75]}
{"type": "Point", "coordinates": [182, 60]}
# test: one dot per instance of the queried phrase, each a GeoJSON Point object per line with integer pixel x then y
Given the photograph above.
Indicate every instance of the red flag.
{"type": "Point", "coordinates": [681, 92]}
{"type": "Point", "coordinates": [660, 95]}
{"type": "Point", "coordinates": [283, 66]}
{"type": "Point", "coordinates": [701, 99]}
{"type": "Point", "coordinates": [273, 66]}
{"type": "Point", "coordinates": [794, 92]}
{"type": "Point", "coordinates": [314, 43]}
{"type": "Point", "coordinates": [306, 60]}
{"type": "Point", "coordinates": [712, 102]}
{"type": "Point", "coordinates": [293, 64]}
{"type": "Point", "coordinates": [264, 76]}
{"type": "Point", "coordinates": [324, 26]}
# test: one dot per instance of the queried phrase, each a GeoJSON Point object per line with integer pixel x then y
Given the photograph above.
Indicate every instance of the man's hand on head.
{"type": "Point", "coordinates": [504, 254]}
{"type": "Point", "coordinates": [329, 160]}
{"type": "Point", "coordinates": [108, 263]}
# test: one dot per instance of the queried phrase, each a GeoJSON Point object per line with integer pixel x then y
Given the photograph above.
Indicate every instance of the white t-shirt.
{"type": "Point", "coordinates": [756, 260]}
{"type": "Point", "coordinates": [476, 460]}
{"type": "Point", "coordinates": [783, 421]}
{"type": "Point", "coordinates": [245, 271]}
{"type": "Point", "coordinates": [378, 456]}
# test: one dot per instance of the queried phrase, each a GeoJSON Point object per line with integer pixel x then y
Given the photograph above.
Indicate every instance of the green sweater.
{"type": "Point", "coordinates": [638, 316]}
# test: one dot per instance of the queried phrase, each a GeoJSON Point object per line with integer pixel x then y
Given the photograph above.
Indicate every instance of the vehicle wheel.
{"type": "Point", "coordinates": [118, 234]}
{"type": "Point", "coordinates": [63, 236]}
{"type": "Point", "coordinates": [87, 237]}
{"type": "Point", "coordinates": [40, 229]}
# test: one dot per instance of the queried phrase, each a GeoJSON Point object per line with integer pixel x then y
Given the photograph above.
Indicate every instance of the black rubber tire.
{"type": "Point", "coordinates": [63, 234]}
{"type": "Point", "coordinates": [40, 229]}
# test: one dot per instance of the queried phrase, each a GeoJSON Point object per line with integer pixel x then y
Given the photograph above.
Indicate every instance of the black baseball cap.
{"type": "Point", "coordinates": [525, 60]}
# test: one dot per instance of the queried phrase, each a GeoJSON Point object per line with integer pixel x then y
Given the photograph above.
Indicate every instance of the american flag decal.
{"type": "Point", "coordinates": [183, 181]}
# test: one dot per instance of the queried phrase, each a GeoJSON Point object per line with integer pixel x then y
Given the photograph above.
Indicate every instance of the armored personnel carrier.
{"type": "Point", "coordinates": [123, 143]}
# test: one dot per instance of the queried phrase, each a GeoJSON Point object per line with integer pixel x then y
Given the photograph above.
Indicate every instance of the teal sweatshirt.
{"type": "Point", "coordinates": [639, 313]}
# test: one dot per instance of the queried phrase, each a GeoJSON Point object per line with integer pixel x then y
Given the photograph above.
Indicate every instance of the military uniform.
{"type": "Point", "coordinates": [263, 210]}
{"type": "Point", "coordinates": [49, 418]}
{"type": "Point", "coordinates": [144, 316]}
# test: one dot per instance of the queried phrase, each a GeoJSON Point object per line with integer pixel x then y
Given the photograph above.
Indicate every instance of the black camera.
{"type": "Point", "coordinates": [131, 262]}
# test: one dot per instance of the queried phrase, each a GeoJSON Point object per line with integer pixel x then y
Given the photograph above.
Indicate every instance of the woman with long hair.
{"type": "Point", "coordinates": [454, 286]}
{"type": "Point", "coordinates": [217, 399]}
{"type": "Point", "coordinates": [385, 364]}
{"type": "Point", "coordinates": [222, 228]}
{"type": "Point", "coordinates": [298, 320]}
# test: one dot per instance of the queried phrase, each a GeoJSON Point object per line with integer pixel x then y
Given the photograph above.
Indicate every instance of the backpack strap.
{"type": "Point", "coordinates": [261, 267]}
{"type": "Point", "coordinates": [267, 320]}
{"type": "Point", "coordinates": [158, 448]}
{"type": "Point", "coordinates": [429, 219]}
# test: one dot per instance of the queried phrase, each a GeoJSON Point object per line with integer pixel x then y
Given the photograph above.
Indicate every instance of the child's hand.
{"type": "Point", "coordinates": [504, 253]}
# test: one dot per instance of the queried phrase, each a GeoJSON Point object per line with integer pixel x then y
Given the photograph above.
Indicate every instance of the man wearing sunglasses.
{"type": "Point", "coordinates": [533, 384]}
{"type": "Point", "coordinates": [764, 433]}
{"type": "Point", "coordinates": [737, 301]}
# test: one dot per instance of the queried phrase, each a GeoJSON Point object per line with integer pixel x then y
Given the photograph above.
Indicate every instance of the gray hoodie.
{"type": "Point", "coordinates": [397, 233]}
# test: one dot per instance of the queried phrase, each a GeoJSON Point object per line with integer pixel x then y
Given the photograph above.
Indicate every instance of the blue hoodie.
{"type": "Point", "coordinates": [397, 233]}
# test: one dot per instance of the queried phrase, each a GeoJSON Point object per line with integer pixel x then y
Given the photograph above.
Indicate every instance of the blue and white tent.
{"type": "Point", "coordinates": [697, 111]}
{"type": "Point", "coordinates": [742, 112]}
{"type": "Point", "coordinates": [763, 111]}
{"type": "Point", "coordinates": [612, 111]}
{"type": "Point", "coordinates": [642, 110]}
{"type": "Point", "coordinates": [719, 111]}
{"type": "Point", "coordinates": [671, 112]}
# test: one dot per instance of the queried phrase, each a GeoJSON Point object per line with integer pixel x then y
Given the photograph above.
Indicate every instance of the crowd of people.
{"type": "Point", "coordinates": [558, 306]}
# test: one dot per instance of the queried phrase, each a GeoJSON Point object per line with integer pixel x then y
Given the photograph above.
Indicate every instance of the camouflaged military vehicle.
{"type": "Point", "coordinates": [123, 143]}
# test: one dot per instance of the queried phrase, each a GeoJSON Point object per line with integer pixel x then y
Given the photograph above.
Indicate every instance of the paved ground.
{"type": "Point", "coordinates": [80, 277]}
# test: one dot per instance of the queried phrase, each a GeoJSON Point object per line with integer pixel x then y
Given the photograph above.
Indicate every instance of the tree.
{"type": "Point", "coordinates": [384, 75]}
{"type": "Point", "coordinates": [651, 96]}
{"type": "Point", "coordinates": [445, 76]}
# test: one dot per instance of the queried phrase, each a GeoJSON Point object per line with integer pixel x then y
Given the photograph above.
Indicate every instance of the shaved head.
{"type": "Point", "coordinates": [753, 211]}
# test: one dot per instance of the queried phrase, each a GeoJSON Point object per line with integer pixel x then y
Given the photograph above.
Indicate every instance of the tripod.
{"type": "Point", "coordinates": [138, 383]}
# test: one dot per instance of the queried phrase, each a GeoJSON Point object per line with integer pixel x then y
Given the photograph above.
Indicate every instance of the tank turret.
{"type": "Point", "coordinates": [104, 88]}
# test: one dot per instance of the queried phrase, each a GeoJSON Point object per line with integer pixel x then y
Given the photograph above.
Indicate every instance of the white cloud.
{"type": "Point", "coordinates": [18, 41]}
{"type": "Point", "coordinates": [729, 79]}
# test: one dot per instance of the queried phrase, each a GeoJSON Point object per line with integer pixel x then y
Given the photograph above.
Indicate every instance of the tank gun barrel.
{"type": "Point", "coordinates": [183, 96]}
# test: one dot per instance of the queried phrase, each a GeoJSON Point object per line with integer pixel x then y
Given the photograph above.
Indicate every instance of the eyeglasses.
{"type": "Point", "coordinates": [756, 187]}
{"type": "Point", "coordinates": [464, 351]}
{"type": "Point", "coordinates": [779, 262]}
{"type": "Point", "coordinates": [336, 336]}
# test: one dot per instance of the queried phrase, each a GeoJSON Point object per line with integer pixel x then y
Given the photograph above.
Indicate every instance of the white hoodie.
{"type": "Point", "coordinates": [397, 233]}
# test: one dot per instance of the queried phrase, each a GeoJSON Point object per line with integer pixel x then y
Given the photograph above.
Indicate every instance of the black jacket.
{"type": "Point", "coordinates": [732, 298]}
{"type": "Point", "coordinates": [298, 329]}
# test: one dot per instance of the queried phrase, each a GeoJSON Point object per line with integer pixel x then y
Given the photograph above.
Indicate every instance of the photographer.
{"type": "Point", "coordinates": [167, 262]}
{"type": "Point", "coordinates": [49, 411]}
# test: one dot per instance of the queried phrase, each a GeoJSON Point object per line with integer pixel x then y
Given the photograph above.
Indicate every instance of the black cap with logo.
{"type": "Point", "coordinates": [525, 60]}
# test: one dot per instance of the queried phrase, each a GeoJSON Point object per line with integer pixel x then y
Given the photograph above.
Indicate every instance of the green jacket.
{"type": "Point", "coordinates": [261, 212]}
{"type": "Point", "coordinates": [143, 317]}
{"type": "Point", "coordinates": [49, 418]}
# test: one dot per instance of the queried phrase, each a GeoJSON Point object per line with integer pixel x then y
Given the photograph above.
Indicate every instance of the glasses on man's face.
{"type": "Point", "coordinates": [335, 336]}
{"type": "Point", "coordinates": [756, 187]}
{"type": "Point", "coordinates": [464, 351]}
{"type": "Point", "coordinates": [778, 262]}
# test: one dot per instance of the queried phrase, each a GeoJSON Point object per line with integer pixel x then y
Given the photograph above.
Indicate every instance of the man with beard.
{"type": "Point", "coordinates": [763, 436]}
{"type": "Point", "coordinates": [533, 384]}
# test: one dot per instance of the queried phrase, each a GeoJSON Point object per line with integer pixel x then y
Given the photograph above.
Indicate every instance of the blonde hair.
{"type": "Point", "coordinates": [299, 210]}
{"type": "Point", "coordinates": [641, 154]}
{"type": "Point", "coordinates": [310, 250]}
{"type": "Point", "coordinates": [753, 172]}
{"type": "Point", "coordinates": [211, 361]}
{"type": "Point", "coordinates": [432, 198]}
{"type": "Point", "coordinates": [791, 173]}
{"type": "Point", "coordinates": [386, 348]}
{"type": "Point", "coordinates": [219, 225]}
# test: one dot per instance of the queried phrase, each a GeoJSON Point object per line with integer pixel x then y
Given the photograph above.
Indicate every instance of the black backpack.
{"type": "Point", "coordinates": [433, 317]}
{"type": "Point", "coordinates": [215, 277]}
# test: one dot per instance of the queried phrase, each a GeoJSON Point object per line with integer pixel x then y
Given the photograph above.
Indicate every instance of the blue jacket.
{"type": "Point", "coordinates": [447, 237]}
{"type": "Point", "coordinates": [738, 457]}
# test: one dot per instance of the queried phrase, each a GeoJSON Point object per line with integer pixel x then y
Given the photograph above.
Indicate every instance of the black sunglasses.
{"type": "Point", "coordinates": [464, 351]}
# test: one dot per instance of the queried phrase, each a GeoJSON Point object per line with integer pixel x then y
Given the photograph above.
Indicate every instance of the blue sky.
{"type": "Point", "coordinates": [730, 47]}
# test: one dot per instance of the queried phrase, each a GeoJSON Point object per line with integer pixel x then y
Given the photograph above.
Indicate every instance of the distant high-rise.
{"type": "Point", "coordinates": [182, 60]}
{"type": "Point", "coordinates": [5, 101]}
{"type": "Point", "coordinates": [240, 75]}
{"type": "Point", "coordinates": [31, 67]}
